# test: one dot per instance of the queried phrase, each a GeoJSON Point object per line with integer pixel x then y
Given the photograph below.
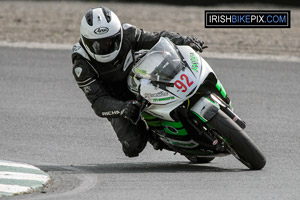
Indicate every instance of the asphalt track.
{"type": "Point", "coordinates": [47, 122]}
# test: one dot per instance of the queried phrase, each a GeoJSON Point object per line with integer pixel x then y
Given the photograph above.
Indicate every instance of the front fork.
{"type": "Point", "coordinates": [207, 107]}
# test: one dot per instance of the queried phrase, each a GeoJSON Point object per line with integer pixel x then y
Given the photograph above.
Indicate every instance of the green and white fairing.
{"type": "Point", "coordinates": [167, 76]}
{"type": "Point", "coordinates": [176, 81]}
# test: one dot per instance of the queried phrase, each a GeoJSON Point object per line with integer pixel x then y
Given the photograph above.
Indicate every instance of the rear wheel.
{"type": "Point", "coordinates": [238, 141]}
{"type": "Point", "coordinates": [200, 160]}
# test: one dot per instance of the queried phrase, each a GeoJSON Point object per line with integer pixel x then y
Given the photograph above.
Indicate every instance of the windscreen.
{"type": "Point", "coordinates": [161, 63]}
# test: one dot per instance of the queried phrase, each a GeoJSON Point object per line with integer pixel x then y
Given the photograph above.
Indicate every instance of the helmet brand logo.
{"type": "Point", "coordinates": [101, 30]}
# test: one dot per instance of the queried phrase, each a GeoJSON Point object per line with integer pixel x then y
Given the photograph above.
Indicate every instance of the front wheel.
{"type": "Point", "coordinates": [243, 146]}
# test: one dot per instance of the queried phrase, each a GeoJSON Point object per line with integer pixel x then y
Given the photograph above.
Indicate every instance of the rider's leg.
{"type": "Point", "coordinates": [132, 137]}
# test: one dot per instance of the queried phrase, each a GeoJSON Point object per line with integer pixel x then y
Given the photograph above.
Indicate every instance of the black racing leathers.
{"type": "Point", "coordinates": [105, 84]}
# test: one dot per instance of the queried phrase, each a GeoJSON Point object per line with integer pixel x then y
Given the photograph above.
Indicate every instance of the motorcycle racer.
{"type": "Point", "coordinates": [102, 60]}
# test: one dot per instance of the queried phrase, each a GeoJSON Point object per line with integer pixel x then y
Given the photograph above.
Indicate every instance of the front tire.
{"type": "Point", "coordinates": [247, 151]}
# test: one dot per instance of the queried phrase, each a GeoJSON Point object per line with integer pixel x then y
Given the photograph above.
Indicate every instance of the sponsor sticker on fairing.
{"type": "Point", "coordinates": [159, 94]}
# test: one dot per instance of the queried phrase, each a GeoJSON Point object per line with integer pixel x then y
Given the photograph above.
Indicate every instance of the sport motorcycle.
{"type": "Point", "coordinates": [187, 108]}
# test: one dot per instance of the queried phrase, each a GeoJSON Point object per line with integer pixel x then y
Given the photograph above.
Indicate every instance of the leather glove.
{"type": "Point", "coordinates": [195, 43]}
{"type": "Point", "coordinates": [131, 110]}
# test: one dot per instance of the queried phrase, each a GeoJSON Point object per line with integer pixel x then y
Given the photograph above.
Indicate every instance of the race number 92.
{"type": "Point", "coordinates": [183, 83]}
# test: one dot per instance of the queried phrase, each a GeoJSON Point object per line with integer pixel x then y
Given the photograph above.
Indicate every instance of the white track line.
{"type": "Point", "coordinates": [12, 164]}
{"type": "Point", "coordinates": [14, 188]}
{"type": "Point", "coordinates": [23, 176]}
{"type": "Point", "coordinates": [18, 178]}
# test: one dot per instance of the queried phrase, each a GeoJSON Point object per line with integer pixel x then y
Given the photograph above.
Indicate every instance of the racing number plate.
{"type": "Point", "coordinates": [184, 84]}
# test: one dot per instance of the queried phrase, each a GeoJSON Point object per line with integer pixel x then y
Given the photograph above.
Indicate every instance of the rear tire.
{"type": "Point", "coordinates": [199, 160]}
{"type": "Point", "coordinates": [239, 141]}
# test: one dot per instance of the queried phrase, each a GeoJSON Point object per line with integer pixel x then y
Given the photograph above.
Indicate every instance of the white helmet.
{"type": "Point", "coordinates": [101, 33]}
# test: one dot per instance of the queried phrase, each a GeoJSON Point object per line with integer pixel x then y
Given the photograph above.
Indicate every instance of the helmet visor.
{"type": "Point", "coordinates": [103, 46]}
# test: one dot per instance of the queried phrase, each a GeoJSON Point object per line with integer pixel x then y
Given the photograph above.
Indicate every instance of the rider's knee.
{"type": "Point", "coordinates": [134, 147]}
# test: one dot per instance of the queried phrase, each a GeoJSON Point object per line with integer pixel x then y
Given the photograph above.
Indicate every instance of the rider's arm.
{"type": "Point", "coordinates": [88, 81]}
{"type": "Point", "coordinates": [146, 40]}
